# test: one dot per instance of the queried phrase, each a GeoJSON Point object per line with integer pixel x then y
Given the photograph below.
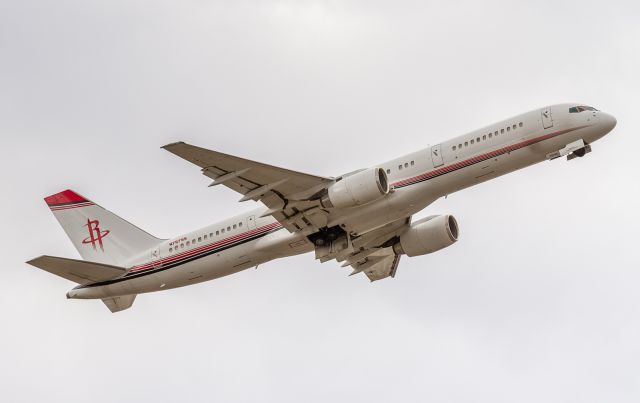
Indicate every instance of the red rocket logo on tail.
{"type": "Point", "coordinates": [95, 234]}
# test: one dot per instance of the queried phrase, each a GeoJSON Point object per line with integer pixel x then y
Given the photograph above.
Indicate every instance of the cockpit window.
{"type": "Point", "coordinates": [582, 108]}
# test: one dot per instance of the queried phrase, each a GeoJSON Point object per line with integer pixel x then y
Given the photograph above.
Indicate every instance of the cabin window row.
{"type": "Point", "coordinates": [204, 237]}
{"type": "Point", "coordinates": [400, 166]}
{"type": "Point", "coordinates": [487, 136]}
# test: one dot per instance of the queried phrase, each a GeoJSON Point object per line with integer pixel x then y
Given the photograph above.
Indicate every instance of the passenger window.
{"type": "Point", "coordinates": [217, 233]}
{"type": "Point", "coordinates": [453, 148]}
{"type": "Point", "coordinates": [495, 133]}
{"type": "Point", "coordinates": [412, 163]}
{"type": "Point", "coordinates": [205, 236]}
{"type": "Point", "coordinates": [515, 127]}
{"type": "Point", "coordinates": [199, 239]}
{"type": "Point", "coordinates": [459, 145]}
{"type": "Point", "coordinates": [222, 231]}
{"type": "Point", "coordinates": [501, 130]}
{"type": "Point", "coordinates": [240, 224]}
{"type": "Point", "coordinates": [466, 143]}
{"type": "Point", "coordinates": [521, 124]}
{"type": "Point", "coordinates": [508, 128]}
{"type": "Point", "coordinates": [471, 141]}
{"type": "Point", "coordinates": [228, 228]}
{"type": "Point", "coordinates": [388, 171]}
{"type": "Point", "coordinates": [234, 226]}
{"type": "Point", "coordinates": [406, 165]}
{"type": "Point", "coordinates": [188, 243]}
{"type": "Point", "coordinates": [484, 137]}
{"type": "Point", "coordinates": [182, 245]}
{"type": "Point", "coordinates": [490, 135]}
{"type": "Point", "coordinates": [170, 250]}
{"type": "Point", "coordinates": [478, 140]}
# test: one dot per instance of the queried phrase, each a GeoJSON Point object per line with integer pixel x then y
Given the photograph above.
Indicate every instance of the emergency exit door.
{"type": "Point", "coordinates": [547, 120]}
{"type": "Point", "coordinates": [155, 258]}
{"type": "Point", "coordinates": [436, 156]}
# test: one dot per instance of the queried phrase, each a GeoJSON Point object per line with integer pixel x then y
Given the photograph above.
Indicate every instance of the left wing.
{"type": "Point", "coordinates": [283, 191]}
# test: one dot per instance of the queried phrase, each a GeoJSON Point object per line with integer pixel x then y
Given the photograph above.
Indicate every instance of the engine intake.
{"type": "Point", "coordinates": [428, 235]}
{"type": "Point", "coordinates": [357, 189]}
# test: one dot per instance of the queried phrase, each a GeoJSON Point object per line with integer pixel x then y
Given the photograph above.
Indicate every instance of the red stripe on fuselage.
{"type": "Point", "coordinates": [480, 158]}
{"type": "Point", "coordinates": [186, 254]}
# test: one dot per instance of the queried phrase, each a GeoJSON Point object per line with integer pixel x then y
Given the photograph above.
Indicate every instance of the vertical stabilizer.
{"type": "Point", "coordinates": [98, 234]}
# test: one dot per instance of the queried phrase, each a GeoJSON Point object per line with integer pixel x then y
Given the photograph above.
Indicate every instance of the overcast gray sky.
{"type": "Point", "coordinates": [538, 301]}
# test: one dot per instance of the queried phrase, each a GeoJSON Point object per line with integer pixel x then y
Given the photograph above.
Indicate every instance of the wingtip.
{"type": "Point", "coordinates": [166, 146]}
{"type": "Point", "coordinates": [33, 261]}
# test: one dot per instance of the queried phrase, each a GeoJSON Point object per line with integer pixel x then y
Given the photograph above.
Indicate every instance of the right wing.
{"type": "Point", "coordinates": [372, 253]}
{"type": "Point", "coordinates": [283, 191]}
{"type": "Point", "coordinates": [381, 263]}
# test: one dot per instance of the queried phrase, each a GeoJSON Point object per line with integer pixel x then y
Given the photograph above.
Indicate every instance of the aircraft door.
{"type": "Point", "coordinates": [436, 156]}
{"type": "Point", "coordinates": [547, 120]}
{"type": "Point", "coordinates": [155, 258]}
{"type": "Point", "coordinates": [251, 222]}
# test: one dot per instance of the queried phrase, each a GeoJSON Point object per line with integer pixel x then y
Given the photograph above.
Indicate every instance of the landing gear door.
{"type": "Point", "coordinates": [436, 156]}
{"type": "Point", "coordinates": [547, 120]}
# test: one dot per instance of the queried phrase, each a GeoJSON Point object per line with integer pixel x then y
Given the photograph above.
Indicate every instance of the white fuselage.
{"type": "Point", "coordinates": [418, 179]}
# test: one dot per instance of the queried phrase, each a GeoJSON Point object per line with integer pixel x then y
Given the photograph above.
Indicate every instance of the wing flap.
{"type": "Point", "coordinates": [78, 271]}
{"type": "Point", "coordinates": [380, 264]}
{"type": "Point", "coordinates": [385, 268]}
{"type": "Point", "coordinates": [372, 253]}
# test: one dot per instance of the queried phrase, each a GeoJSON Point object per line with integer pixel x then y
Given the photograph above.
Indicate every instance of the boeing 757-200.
{"type": "Point", "coordinates": [362, 219]}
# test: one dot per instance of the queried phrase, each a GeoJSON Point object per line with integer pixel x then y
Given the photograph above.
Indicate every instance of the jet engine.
{"type": "Point", "coordinates": [428, 235]}
{"type": "Point", "coordinates": [357, 189]}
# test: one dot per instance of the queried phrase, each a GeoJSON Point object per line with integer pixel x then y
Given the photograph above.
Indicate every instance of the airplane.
{"type": "Point", "coordinates": [362, 219]}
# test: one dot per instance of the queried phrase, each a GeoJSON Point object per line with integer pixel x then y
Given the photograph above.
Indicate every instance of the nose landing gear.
{"type": "Point", "coordinates": [581, 152]}
{"type": "Point", "coordinates": [572, 150]}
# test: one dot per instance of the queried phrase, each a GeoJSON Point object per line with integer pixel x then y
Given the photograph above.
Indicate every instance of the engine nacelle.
{"type": "Point", "coordinates": [355, 190]}
{"type": "Point", "coordinates": [428, 235]}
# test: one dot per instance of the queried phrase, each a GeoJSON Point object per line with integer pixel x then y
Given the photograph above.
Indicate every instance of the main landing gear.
{"type": "Point", "coordinates": [329, 242]}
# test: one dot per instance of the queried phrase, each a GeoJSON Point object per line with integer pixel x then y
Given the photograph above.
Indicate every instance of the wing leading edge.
{"type": "Point", "coordinates": [285, 192]}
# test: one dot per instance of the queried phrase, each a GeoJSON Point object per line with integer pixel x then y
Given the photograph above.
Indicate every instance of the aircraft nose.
{"type": "Point", "coordinates": [608, 122]}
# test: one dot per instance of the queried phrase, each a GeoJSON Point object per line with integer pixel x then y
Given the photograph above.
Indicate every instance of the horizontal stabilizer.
{"type": "Point", "coordinates": [78, 271]}
{"type": "Point", "coordinates": [117, 304]}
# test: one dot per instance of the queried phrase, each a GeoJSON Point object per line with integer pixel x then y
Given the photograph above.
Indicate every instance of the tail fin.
{"type": "Point", "coordinates": [98, 234]}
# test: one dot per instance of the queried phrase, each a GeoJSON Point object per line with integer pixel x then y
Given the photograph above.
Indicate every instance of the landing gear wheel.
{"type": "Point", "coordinates": [580, 153]}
